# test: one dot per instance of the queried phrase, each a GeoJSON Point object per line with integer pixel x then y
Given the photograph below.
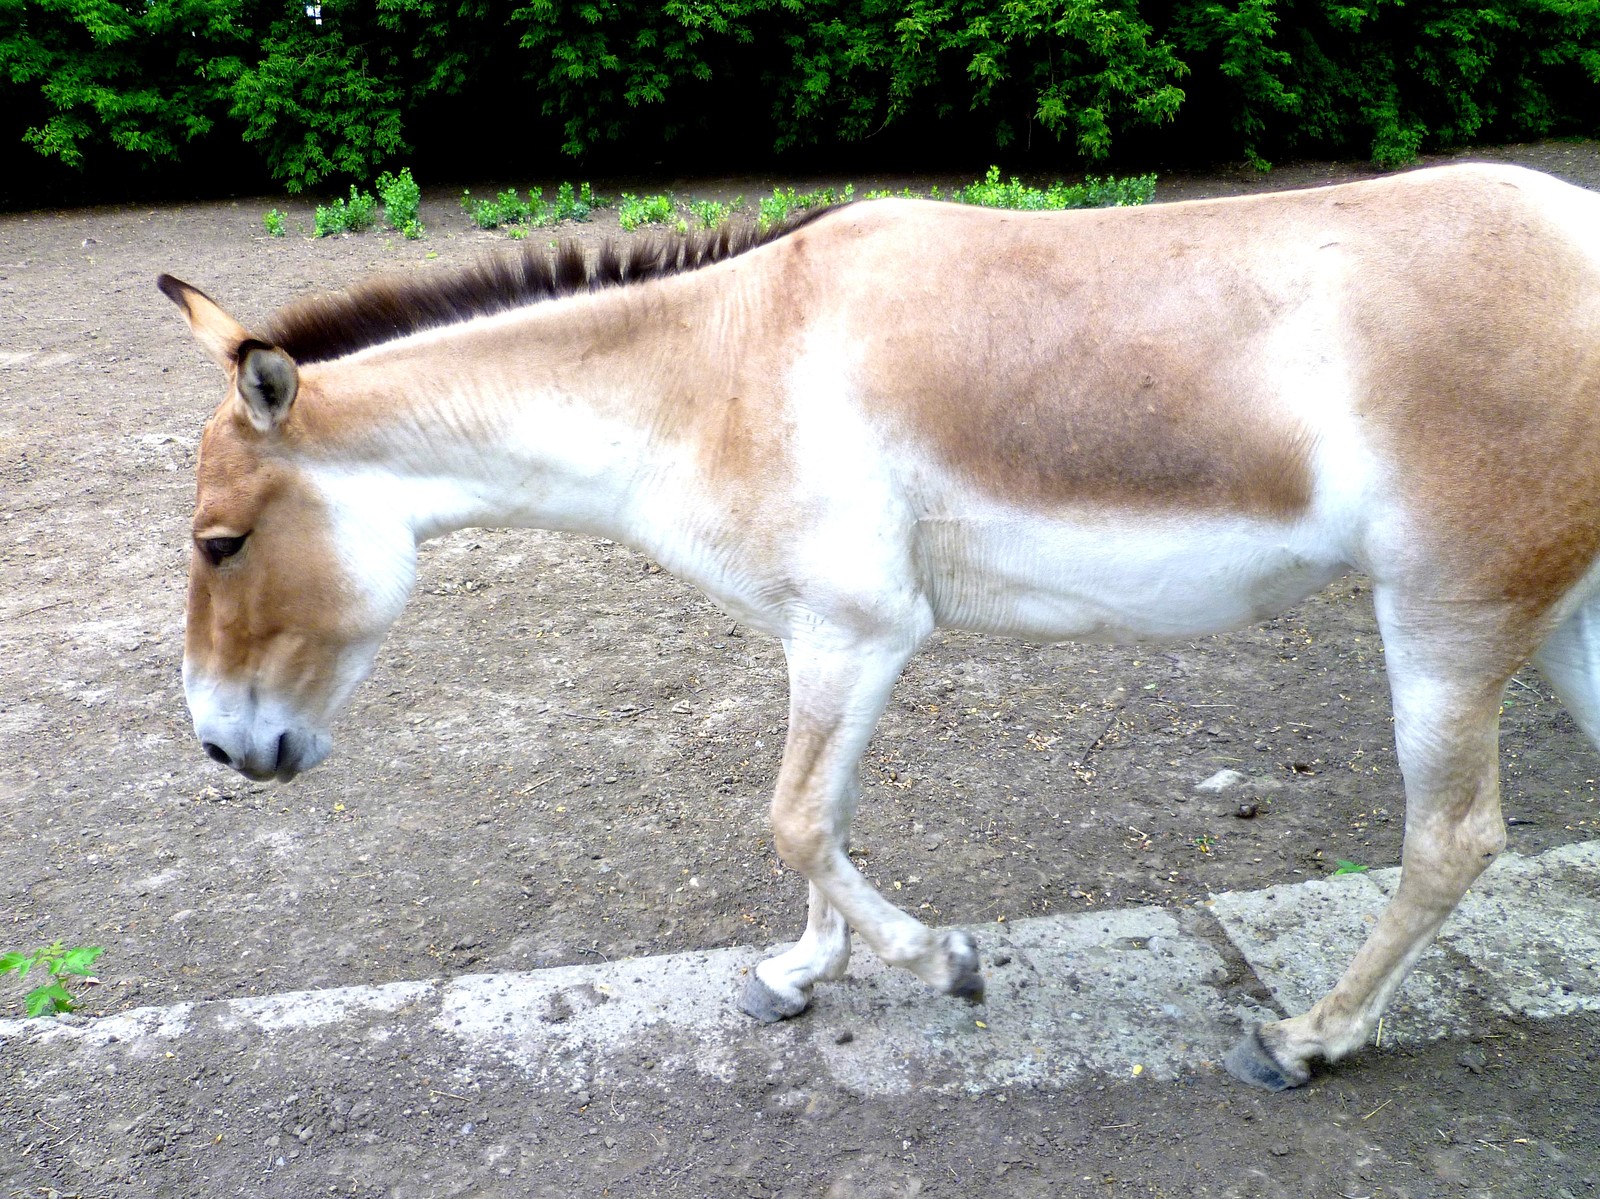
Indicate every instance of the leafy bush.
{"type": "Point", "coordinates": [273, 220]}
{"type": "Point", "coordinates": [785, 200]}
{"type": "Point", "coordinates": [708, 214]}
{"type": "Point", "coordinates": [86, 83]}
{"type": "Point", "coordinates": [633, 211]}
{"type": "Point", "coordinates": [990, 192]}
{"type": "Point", "coordinates": [355, 215]}
{"type": "Point", "coordinates": [401, 198]}
{"type": "Point", "coordinates": [1387, 79]}
{"type": "Point", "coordinates": [570, 205]}
{"type": "Point", "coordinates": [508, 208]}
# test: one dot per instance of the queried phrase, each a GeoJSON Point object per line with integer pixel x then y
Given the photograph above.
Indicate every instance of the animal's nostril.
{"type": "Point", "coordinates": [216, 753]}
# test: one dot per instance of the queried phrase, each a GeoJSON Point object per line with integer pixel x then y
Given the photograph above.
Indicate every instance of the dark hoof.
{"type": "Point", "coordinates": [1252, 1062]}
{"type": "Point", "coordinates": [966, 980]}
{"type": "Point", "coordinates": [765, 1004]}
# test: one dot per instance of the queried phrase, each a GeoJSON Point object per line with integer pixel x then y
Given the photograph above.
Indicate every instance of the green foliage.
{"type": "Point", "coordinates": [401, 198]}
{"type": "Point", "coordinates": [355, 215]}
{"type": "Point", "coordinates": [509, 208]}
{"type": "Point", "coordinates": [92, 82]}
{"type": "Point", "coordinates": [273, 220]}
{"type": "Point", "coordinates": [990, 192]}
{"type": "Point", "coordinates": [61, 963]}
{"type": "Point", "coordinates": [104, 78]}
{"type": "Point", "coordinates": [633, 211]}
{"type": "Point", "coordinates": [1347, 867]}
{"type": "Point", "coordinates": [708, 214]}
{"type": "Point", "coordinates": [1078, 70]}
{"type": "Point", "coordinates": [785, 200]}
{"type": "Point", "coordinates": [571, 205]}
{"type": "Point", "coordinates": [1388, 78]}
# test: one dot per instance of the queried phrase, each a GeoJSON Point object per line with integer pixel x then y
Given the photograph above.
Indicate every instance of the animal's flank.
{"type": "Point", "coordinates": [320, 328]}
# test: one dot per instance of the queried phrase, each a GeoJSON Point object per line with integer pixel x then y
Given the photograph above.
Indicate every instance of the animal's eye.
{"type": "Point", "coordinates": [217, 549]}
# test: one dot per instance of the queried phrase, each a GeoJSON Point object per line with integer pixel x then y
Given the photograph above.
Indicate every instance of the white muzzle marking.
{"type": "Point", "coordinates": [258, 736]}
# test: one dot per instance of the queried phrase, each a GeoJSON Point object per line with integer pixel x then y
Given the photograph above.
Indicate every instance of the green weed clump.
{"type": "Point", "coordinates": [272, 221]}
{"type": "Point", "coordinates": [785, 201]}
{"type": "Point", "coordinates": [355, 215]}
{"type": "Point", "coordinates": [990, 192]}
{"type": "Point", "coordinates": [708, 214]}
{"type": "Point", "coordinates": [401, 198]}
{"type": "Point", "coordinates": [633, 211]}
{"type": "Point", "coordinates": [510, 209]}
{"type": "Point", "coordinates": [61, 963]}
{"type": "Point", "coordinates": [570, 205]}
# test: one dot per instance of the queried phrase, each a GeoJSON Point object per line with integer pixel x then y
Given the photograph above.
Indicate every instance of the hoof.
{"type": "Point", "coordinates": [765, 1004]}
{"type": "Point", "coordinates": [1252, 1062]}
{"type": "Point", "coordinates": [966, 981]}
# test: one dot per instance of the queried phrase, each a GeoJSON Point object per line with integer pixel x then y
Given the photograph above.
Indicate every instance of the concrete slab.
{"type": "Point", "coordinates": [1119, 993]}
{"type": "Point", "coordinates": [1526, 940]}
{"type": "Point", "coordinates": [1112, 992]}
{"type": "Point", "coordinates": [1530, 929]}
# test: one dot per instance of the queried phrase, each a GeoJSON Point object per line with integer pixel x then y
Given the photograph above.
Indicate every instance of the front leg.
{"type": "Point", "coordinates": [838, 688]}
{"type": "Point", "coordinates": [780, 987]}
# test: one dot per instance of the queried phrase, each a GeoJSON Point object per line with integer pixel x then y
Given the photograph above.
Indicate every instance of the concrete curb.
{"type": "Point", "coordinates": [1115, 993]}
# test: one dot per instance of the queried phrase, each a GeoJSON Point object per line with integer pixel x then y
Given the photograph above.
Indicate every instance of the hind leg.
{"type": "Point", "coordinates": [1448, 664]}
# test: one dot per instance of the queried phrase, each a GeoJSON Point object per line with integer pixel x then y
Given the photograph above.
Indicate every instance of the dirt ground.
{"type": "Point", "coordinates": [565, 755]}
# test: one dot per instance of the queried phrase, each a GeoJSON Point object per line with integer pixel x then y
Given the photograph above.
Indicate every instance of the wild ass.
{"type": "Point", "coordinates": [902, 415]}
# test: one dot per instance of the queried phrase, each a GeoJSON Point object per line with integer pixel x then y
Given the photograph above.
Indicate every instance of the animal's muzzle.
{"type": "Point", "coordinates": [279, 758]}
{"type": "Point", "coordinates": [259, 738]}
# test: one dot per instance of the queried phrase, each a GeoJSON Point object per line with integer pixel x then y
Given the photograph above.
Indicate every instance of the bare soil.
{"type": "Point", "coordinates": [565, 754]}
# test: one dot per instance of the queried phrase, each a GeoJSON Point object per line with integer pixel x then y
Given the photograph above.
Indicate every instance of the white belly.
{"type": "Point", "coordinates": [1118, 577]}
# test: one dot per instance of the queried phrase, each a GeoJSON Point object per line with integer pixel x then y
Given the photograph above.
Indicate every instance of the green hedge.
{"type": "Point", "coordinates": [113, 84]}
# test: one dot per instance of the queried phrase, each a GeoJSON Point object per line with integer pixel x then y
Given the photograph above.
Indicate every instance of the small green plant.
{"type": "Point", "coordinates": [505, 209]}
{"type": "Point", "coordinates": [355, 215]}
{"type": "Point", "coordinates": [1345, 867]}
{"type": "Point", "coordinates": [633, 211]}
{"type": "Point", "coordinates": [508, 208]}
{"type": "Point", "coordinates": [991, 192]}
{"type": "Point", "coordinates": [273, 221]}
{"type": "Point", "coordinates": [401, 198]}
{"type": "Point", "coordinates": [708, 214]}
{"type": "Point", "coordinates": [571, 204]}
{"type": "Point", "coordinates": [784, 201]}
{"type": "Point", "coordinates": [53, 998]}
{"type": "Point", "coordinates": [1205, 843]}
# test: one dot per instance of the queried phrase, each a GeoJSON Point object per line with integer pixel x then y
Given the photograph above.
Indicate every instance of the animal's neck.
{"type": "Point", "coordinates": [503, 427]}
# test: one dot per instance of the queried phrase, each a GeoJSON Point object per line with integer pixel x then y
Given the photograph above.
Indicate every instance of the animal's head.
{"type": "Point", "coordinates": [295, 572]}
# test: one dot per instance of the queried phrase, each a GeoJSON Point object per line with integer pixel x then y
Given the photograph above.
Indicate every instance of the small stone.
{"type": "Point", "coordinates": [1280, 1150]}
{"type": "Point", "coordinates": [1220, 781]}
{"type": "Point", "coordinates": [1474, 1060]}
{"type": "Point", "coordinates": [844, 1038]}
{"type": "Point", "coordinates": [1246, 811]}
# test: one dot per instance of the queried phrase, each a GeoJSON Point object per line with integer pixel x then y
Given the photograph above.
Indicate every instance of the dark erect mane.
{"type": "Point", "coordinates": [318, 328]}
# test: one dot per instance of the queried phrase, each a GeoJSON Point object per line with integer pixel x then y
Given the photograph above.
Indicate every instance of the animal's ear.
{"type": "Point", "coordinates": [267, 380]}
{"type": "Point", "coordinates": [217, 332]}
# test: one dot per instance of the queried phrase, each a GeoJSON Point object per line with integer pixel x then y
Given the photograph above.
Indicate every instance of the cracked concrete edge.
{"type": "Point", "coordinates": [1123, 992]}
